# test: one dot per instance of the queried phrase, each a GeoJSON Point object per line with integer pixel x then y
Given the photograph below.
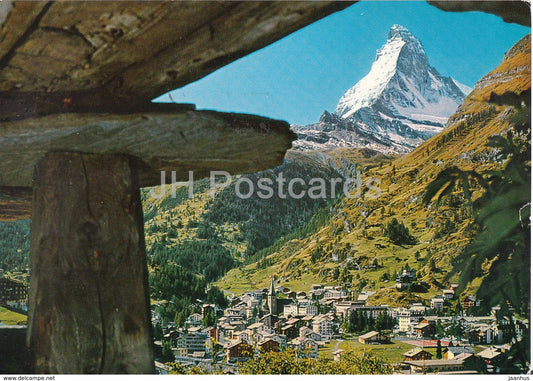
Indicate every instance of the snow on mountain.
{"type": "Point", "coordinates": [401, 102]}
{"type": "Point", "coordinates": [464, 88]}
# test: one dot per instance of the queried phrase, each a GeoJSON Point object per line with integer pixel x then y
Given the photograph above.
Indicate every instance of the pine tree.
{"type": "Point", "coordinates": [439, 349]}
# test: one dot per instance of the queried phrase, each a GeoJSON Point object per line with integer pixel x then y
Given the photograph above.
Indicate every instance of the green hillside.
{"type": "Point", "coordinates": [357, 232]}
{"type": "Point", "coordinates": [237, 228]}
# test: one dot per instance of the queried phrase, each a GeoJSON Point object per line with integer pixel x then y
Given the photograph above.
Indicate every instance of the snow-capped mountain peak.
{"type": "Point", "coordinates": [366, 91]}
{"type": "Point", "coordinates": [401, 102]}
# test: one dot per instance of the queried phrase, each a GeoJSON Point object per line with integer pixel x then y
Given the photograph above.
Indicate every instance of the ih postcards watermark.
{"type": "Point", "coordinates": [282, 187]}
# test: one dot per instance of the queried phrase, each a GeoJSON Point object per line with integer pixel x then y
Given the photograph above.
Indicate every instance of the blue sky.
{"type": "Point", "coordinates": [300, 76]}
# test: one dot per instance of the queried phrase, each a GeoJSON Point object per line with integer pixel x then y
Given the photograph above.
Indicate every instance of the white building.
{"type": "Point", "coordinates": [437, 303]}
{"type": "Point", "coordinates": [290, 309]}
{"type": "Point", "coordinates": [193, 342]}
{"type": "Point", "coordinates": [324, 327]}
{"type": "Point", "coordinates": [407, 319]}
{"type": "Point", "coordinates": [448, 294]}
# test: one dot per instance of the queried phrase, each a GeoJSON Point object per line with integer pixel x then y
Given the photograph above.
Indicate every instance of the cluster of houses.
{"type": "Point", "coordinates": [277, 318]}
{"type": "Point", "coordinates": [13, 293]}
{"type": "Point", "coordinates": [259, 321]}
{"type": "Point", "coordinates": [459, 359]}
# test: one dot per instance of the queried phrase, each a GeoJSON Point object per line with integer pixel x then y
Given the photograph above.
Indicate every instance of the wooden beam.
{"type": "Point", "coordinates": [241, 30]}
{"type": "Point", "coordinates": [65, 46]}
{"type": "Point", "coordinates": [163, 140]}
{"type": "Point", "coordinates": [89, 305]}
{"type": "Point", "coordinates": [518, 12]}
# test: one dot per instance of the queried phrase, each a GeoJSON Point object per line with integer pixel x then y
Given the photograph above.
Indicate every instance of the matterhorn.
{"type": "Point", "coordinates": [400, 103]}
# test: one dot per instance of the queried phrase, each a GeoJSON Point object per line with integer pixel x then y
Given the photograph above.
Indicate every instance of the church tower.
{"type": "Point", "coordinates": [272, 303]}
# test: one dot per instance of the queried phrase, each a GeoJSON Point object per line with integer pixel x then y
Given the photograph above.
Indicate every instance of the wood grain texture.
{"type": "Point", "coordinates": [89, 307]}
{"type": "Point", "coordinates": [137, 50]}
{"type": "Point", "coordinates": [518, 12]}
{"type": "Point", "coordinates": [182, 141]}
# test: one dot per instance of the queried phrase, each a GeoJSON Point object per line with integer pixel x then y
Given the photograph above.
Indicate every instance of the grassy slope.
{"type": "Point", "coordinates": [351, 234]}
{"type": "Point", "coordinates": [9, 317]}
{"type": "Point", "coordinates": [174, 220]}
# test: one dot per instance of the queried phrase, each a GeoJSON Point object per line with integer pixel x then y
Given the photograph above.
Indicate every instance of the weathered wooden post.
{"type": "Point", "coordinates": [89, 286]}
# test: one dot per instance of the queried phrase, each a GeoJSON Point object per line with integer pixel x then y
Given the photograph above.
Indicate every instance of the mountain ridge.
{"type": "Point", "coordinates": [400, 103]}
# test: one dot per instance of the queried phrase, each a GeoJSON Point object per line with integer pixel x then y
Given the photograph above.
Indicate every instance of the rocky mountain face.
{"type": "Point", "coordinates": [400, 103]}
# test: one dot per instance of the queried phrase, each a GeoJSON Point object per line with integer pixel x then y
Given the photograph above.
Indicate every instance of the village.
{"type": "Point", "coordinates": [444, 336]}
{"type": "Point", "coordinates": [418, 339]}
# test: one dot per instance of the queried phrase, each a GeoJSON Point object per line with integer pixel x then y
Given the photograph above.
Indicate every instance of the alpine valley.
{"type": "Point", "coordinates": [347, 242]}
{"type": "Point", "coordinates": [239, 244]}
{"type": "Point", "coordinates": [402, 124]}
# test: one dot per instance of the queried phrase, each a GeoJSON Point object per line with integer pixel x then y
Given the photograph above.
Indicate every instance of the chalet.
{"type": "Point", "coordinates": [417, 354]}
{"type": "Point", "coordinates": [452, 352]}
{"type": "Point", "coordinates": [243, 336]}
{"type": "Point", "coordinates": [472, 362]}
{"type": "Point", "coordinates": [306, 332]}
{"type": "Point", "coordinates": [469, 302]}
{"type": "Point", "coordinates": [208, 308]}
{"type": "Point", "coordinates": [290, 331]}
{"type": "Point", "coordinates": [306, 348]}
{"type": "Point", "coordinates": [373, 337]}
{"type": "Point", "coordinates": [269, 345]}
{"type": "Point", "coordinates": [172, 336]}
{"type": "Point", "coordinates": [237, 323]}
{"type": "Point", "coordinates": [281, 339]}
{"type": "Point", "coordinates": [424, 329]}
{"type": "Point", "coordinates": [211, 332]}
{"type": "Point", "coordinates": [492, 356]}
{"type": "Point", "coordinates": [298, 323]}
{"type": "Point", "coordinates": [407, 277]}
{"type": "Point", "coordinates": [316, 294]}
{"type": "Point", "coordinates": [237, 311]}
{"type": "Point", "coordinates": [434, 366]}
{"type": "Point", "coordinates": [194, 329]}
{"type": "Point", "coordinates": [335, 294]}
{"type": "Point", "coordinates": [269, 320]}
{"type": "Point", "coordinates": [258, 327]}
{"type": "Point", "coordinates": [225, 332]}
{"type": "Point", "coordinates": [194, 319]}
{"type": "Point", "coordinates": [448, 293]}
{"type": "Point", "coordinates": [239, 351]}
{"type": "Point", "coordinates": [235, 301]}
